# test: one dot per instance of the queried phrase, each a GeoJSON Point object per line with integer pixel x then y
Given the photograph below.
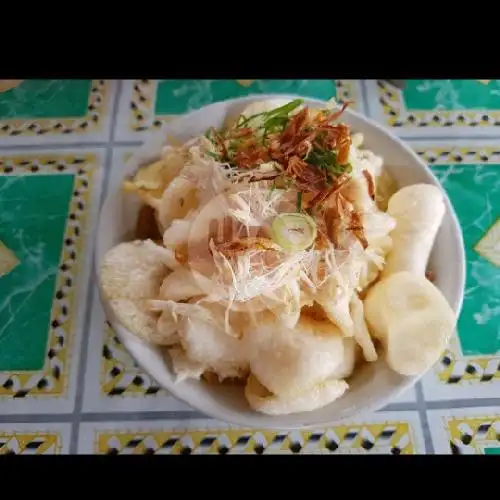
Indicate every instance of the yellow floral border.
{"type": "Point", "coordinates": [97, 106]}
{"type": "Point", "coordinates": [389, 437]}
{"type": "Point", "coordinates": [32, 443]}
{"type": "Point", "coordinates": [472, 433]}
{"type": "Point", "coordinates": [391, 100]}
{"type": "Point", "coordinates": [119, 375]}
{"type": "Point", "coordinates": [52, 380]}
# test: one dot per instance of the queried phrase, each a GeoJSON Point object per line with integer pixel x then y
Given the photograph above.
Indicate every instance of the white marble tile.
{"type": "Point", "coordinates": [93, 126]}
{"type": "Point", "coordinates": [448, 117]}
{"type": "Point", "coordinates": [52, 388]}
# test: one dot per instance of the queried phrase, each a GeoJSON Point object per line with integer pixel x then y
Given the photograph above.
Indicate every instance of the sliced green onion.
{"type": "Point", "coordinates": [247, 119]}
{"type": "Point", "coordinates": [271, 191]}
{"type": "Point", "coordinates": [299, 201]}
{"type": "Point", "coordinates": [213, 155]}
{"type": "Point", "coordinates": [275, 124]}
{"type": "Point", "coordinates": [281, 111]}
{"type": "Point", "coordinates": [294, 232]}
{"type": "Point", "coordinates": [241, 119]}
{"type": "Point", "coordinates": [210, 133]}
{"type": "Point", "coordinates": [286, 109]}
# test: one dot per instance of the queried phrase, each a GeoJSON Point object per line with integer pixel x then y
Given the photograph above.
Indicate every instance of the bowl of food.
{"type": "Point", "coordinates": [280, 262]}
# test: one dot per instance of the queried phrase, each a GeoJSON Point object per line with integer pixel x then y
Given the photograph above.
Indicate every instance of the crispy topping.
{"type": "Point", "coordinates": [213, 378]}
{"type": "Point", "coordinates": [258, 255]}
{"type": "Point", "coordinates": [336, 114]}
{"type": "Point", "coordinates": [356, 227]}
{"type": "Point", "coordinates": [315, 311]}
{"type": "Point", "coordinates": [371, 184]}
{"type": "Point", "coordinates": [181, 254]}
{"type": "Point", "coordinates": [310, 153]}
{"type": "Point", "coordinates": [325, 232]}
{"type": "Point", "coordinates": [244, 244]}
{"type": "Point", "coordinates": [339, 214]}
{"type": "Point", "coordinates": [146, 226]}
{"type": "Point", "coordinates": [324, 196]}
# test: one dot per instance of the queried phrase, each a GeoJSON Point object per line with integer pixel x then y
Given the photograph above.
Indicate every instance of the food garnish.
{"type": "Point", "coordinates": [297, 150]}
{"type": "Point", "coordinates": [308, 150]}
{"type": "Point", "coordinates": [294, 232]}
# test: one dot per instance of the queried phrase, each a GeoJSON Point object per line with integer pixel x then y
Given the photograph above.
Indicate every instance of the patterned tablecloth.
{"type": "Point", "coordinates": [66, 383]}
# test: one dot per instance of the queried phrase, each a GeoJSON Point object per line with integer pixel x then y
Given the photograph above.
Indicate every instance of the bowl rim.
{"type": "Point", "coordinates": [128, 338]}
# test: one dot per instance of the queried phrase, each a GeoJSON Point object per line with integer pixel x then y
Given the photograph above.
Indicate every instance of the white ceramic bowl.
{"type": "Point", "coordinates": [372, 386]}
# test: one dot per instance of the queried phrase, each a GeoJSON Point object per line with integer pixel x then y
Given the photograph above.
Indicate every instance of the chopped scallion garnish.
{"type": "Point", "coordinates": [282, 111]}
{"type": "Point", "coordinates": [294, 232]}
{"type": "Point", "coordinates": [213, 155]}
{"type": "Point", "coordinates": [299, 201]}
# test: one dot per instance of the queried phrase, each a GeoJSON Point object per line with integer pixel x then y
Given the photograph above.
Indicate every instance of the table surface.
{"type": "Point", "coordinates": [66, 383]}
